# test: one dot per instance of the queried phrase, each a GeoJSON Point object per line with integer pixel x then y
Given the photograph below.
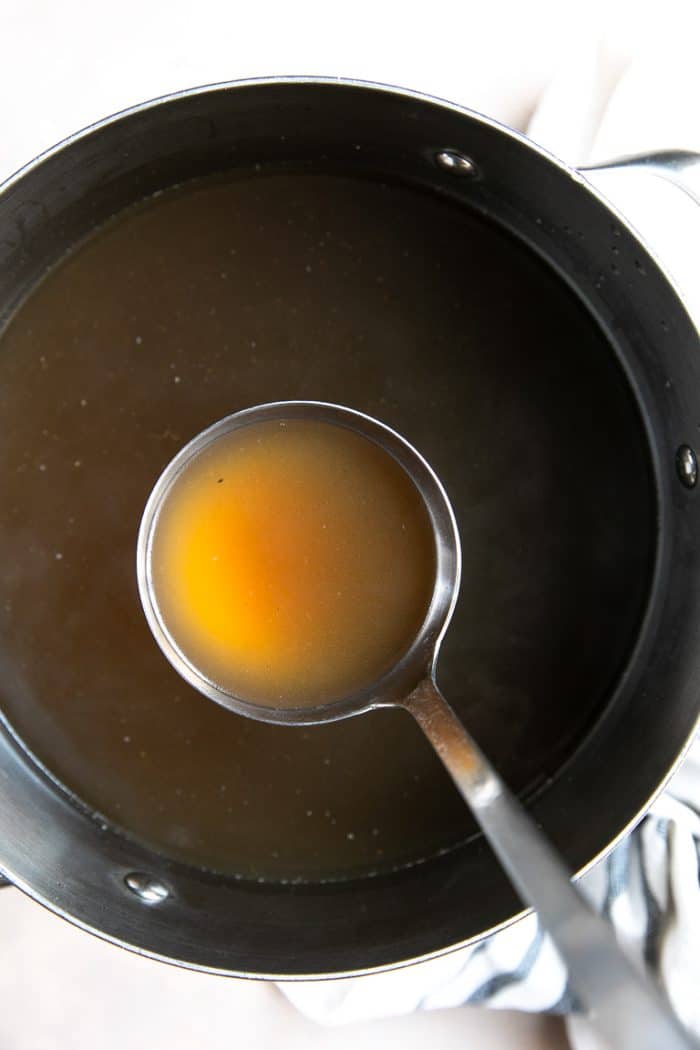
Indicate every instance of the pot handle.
{"type": "Point", "coordinates": [658, 194]}
{"type": "Point", "coordinates": [681, 167]}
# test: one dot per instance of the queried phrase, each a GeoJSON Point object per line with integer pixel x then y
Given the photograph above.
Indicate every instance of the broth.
{"type": "Point", "coordinates": [233, 291]}
{"type": "Point", "coordinates": [293, 562]}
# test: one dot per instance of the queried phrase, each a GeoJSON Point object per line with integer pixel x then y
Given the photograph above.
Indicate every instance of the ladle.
{"type": "Point", "coordinates": [621, 1001]}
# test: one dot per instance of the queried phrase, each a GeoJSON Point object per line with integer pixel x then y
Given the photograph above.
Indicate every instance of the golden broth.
{"type": "Point", "coordinates": [293, 562]}
{"type": "Point", "coordinates": [230, 292]}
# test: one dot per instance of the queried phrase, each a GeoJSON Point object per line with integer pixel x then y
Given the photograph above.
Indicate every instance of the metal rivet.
{"type": "Point", "coordinates": [687, 466]}
{"type": "Point", "coordinates": [456, 163]}
{"type": "Point", "coordinates": [146, 888]}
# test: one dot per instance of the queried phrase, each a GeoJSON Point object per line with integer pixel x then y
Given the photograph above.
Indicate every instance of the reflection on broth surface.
{"type": "Point", "coordinates": [227, 293]}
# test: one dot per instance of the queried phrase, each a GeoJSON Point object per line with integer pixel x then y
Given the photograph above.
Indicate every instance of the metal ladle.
{"type": "Point", "coordinates": [621, 1001]}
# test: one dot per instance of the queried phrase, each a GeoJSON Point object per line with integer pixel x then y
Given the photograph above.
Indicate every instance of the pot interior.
{"type": "Point", "coordinates": [257, 286]}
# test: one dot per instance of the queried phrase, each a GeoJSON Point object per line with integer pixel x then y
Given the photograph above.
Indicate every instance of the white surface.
{"type": "Point", "coordinates": [67, 64]}
{"type": "Point", "coordinates": [61, 989]}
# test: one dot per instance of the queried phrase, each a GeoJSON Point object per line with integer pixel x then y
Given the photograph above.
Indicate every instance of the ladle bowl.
{"type": "Point", "coordinates": [417, 664]}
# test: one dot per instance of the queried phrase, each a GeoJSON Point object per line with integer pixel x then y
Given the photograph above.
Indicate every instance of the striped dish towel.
{"type": "Point", "coordinates": [649, 885]}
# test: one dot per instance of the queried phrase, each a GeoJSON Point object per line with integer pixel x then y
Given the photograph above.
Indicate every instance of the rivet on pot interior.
{"type": "Point", "coordinates": [146, 887]}
{"type": "Point", "coordinates": [687, 466]}
{"type": "Point", "coordinates": [456, 163]}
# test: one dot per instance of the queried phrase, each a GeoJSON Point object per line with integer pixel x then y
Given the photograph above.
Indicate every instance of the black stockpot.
{"type": "Point", "coordinates": [121, 890]}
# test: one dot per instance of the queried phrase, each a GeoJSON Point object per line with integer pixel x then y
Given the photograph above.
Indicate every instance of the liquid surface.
{"type": "Point", "coordinates": [226, 294]}
{"type": "Point", "coordinates": [293, 562]}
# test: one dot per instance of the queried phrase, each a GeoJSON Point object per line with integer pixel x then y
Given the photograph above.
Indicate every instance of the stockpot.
{"type": "Point", "coordinates": [53, 849]}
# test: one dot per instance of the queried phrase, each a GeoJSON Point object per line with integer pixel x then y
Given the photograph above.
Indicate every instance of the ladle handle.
{"type": "Point", "coordinates": [623, 1004]}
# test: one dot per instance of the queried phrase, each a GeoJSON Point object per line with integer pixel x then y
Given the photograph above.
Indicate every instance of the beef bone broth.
{"type": "Point", "coordinates": [293, 562]}
{"type": "Point", "coordinates": [230, 292]}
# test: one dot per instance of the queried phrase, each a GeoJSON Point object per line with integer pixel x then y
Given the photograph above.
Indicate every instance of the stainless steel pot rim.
{"type": "Point", "coordinates": [330, 81]}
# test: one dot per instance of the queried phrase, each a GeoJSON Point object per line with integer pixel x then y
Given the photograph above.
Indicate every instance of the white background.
{"type": "Point", "coordinates": [66, 64]}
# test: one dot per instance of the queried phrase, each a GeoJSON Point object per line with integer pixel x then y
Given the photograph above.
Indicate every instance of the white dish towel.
{"type": "Point", "coordinates": [649, 884]}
